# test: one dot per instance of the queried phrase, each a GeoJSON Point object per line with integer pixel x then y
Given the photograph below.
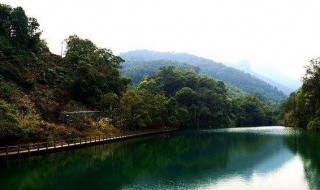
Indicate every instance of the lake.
{"type": "Point", "coordinates": [235, 158]}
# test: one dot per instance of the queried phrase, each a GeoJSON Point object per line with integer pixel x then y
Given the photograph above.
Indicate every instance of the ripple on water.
{"type": "Point", "coordinates": [261, 130]}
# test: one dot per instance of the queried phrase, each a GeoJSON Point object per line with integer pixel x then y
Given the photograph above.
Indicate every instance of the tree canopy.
{"type": "Point", "coordinates": [302, 108]}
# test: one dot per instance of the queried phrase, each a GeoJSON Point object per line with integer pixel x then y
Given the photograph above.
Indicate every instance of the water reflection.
{"type": "Point", "coordinates": [307, 146]}
{"type": "Point", "coordinates": [240, 158]}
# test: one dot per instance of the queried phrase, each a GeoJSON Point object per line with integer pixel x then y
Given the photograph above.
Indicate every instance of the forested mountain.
{"type": "Point", "coordinates": [229, 75]}
{"type": "Point", "coordinates": [137, 70]}
{"type": "Point", "coordinates": [302, 108]}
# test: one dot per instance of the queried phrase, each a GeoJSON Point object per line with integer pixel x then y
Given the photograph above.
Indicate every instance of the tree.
{"type": "Point", "coordinates": [95, 71]}
{"type": "Point", "coordinates": [251, 111]}
{"type": "Point", "coordinates": [133, 112]}
{"type": "Point", "coordinates": [302, 109]}
{"type": "Point", "coordinates": [8, 121]}
{"type": "Point", "coordinates": [5, 20]}
{"type": "Point", "coordinates": [34, 35]}
{"type": "Point", "coordinates": [19, 27]}
{"type": "Point", "coordinates": [186, 97]}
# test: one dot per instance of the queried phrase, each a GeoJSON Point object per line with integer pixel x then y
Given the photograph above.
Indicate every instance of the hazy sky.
{"type": "Point", "coordinates": [282, 34]}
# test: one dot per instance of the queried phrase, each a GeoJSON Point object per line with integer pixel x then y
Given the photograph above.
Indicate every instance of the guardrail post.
{"type": "Point", "coordinates": [47, 145]}
{"type": "Point", "coordinates": [61, 143]}
{"type": "Point", "coordinates": [38, 146]}
{"type": "Point", "coordinates": [90, 139]}
{"type": "Point", "coordinates": [54, 144]}
{"type": "Point", "coordinates": [7, 151]}
{"type": "Point", "coordinates": [18, 149]}
{"type": "Point", "coordinates": [28, 147]}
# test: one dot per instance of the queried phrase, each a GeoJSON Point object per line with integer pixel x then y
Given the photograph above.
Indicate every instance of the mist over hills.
{"type": "Point", "coordinates": [277, 79]}
{"type": "Point", "coordinates": [138, 60]}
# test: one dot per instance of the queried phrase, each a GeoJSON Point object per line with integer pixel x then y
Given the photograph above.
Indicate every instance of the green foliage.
{"type": "Point", "coordinates": [314, 124]}
{"type": "Point", "coordinates": [177, 116]}
{"type": "Point", "coordinates": [302, 109]}
{"type": "Point", "coordinates": [191, 100]}
{"type": "Point", "coordinates": [186, 97]}
{"type": "Point", "coordinates": [134, 111]}
{"type": "Point", "coordinates": [8, 114]}
{"type": "Point", "coordinates": [7, 90]}
{"type": "Point", "coordinates": [251, 111]}
{"type": "Point", "coordinates": [138, 69]}
{"type": "Point", "coordinates": [8, 121]}
{"type": "Point", "coordinates": [19, 30]}
{"type": "Point", "coordinates": [19, 24]}
{"type": "Point", "coordinates": [142, 62]}
{"type": "Point", "coordinates": [98, 68]}
{"type": "Point", "coordinates": [5, 19]}
{"type": "Point", "coordinates": [40, 86]}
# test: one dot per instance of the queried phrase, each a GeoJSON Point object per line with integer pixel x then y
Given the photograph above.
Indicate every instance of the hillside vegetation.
{"type": "Point", "coordinates": [234, 77]}
{"type": "Point", "coordinates": [302, 108]}
{"type": "Point", "coordinates": [137, 70]}
{"type": "Point", "coordinates": [42, 94]}
{"type": "Point", "coordinates": [37, 87]}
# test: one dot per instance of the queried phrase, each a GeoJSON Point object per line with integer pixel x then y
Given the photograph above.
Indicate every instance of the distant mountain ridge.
{"type": "Point", "coordinates": [286, 84]}
{"type": "Point", "coordinates": [231, 76]}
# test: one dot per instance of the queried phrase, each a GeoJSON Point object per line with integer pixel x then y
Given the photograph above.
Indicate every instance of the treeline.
{"type": "Point", "coordinates": [41, 93]}
{"type": "Point", "coordinates": [173, 97]}
{"type": "Point", "coordinates": [302, 108]}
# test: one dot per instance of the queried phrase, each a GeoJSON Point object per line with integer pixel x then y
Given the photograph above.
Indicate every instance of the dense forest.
{"type": "Point", "coordinates": [42, 95]}
{"type": "Point", "coordinates": [302, 108]}
{"type": "Point", "coordinates": [138, 69]}
{"type": "Point", "coordinates": [232, 77]}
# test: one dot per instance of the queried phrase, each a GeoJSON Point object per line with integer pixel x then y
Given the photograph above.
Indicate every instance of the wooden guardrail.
{"type": "Point", "coordinates": [17, 150]}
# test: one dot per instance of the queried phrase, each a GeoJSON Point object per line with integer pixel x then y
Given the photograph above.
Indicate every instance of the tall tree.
{"type": "Point", "coordinates": [95, 73]}
{"type": "Point", "coordinates": [19, 27]}
{"type": "Point", "coordinates": [5, 20]}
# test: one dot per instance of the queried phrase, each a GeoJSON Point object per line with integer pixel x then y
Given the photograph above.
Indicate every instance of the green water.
{"type": "Point", "coordinates": [244, 158]}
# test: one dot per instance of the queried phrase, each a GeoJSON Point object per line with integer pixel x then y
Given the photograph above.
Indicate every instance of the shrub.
{"type": "Point", "coordinates": [314, 124]}
{"type": "Point", "coordinates": [9, 129]}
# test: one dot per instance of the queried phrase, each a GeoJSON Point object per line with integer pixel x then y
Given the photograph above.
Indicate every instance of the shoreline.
{"type": "Point", "coordinates": [11, 152]}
